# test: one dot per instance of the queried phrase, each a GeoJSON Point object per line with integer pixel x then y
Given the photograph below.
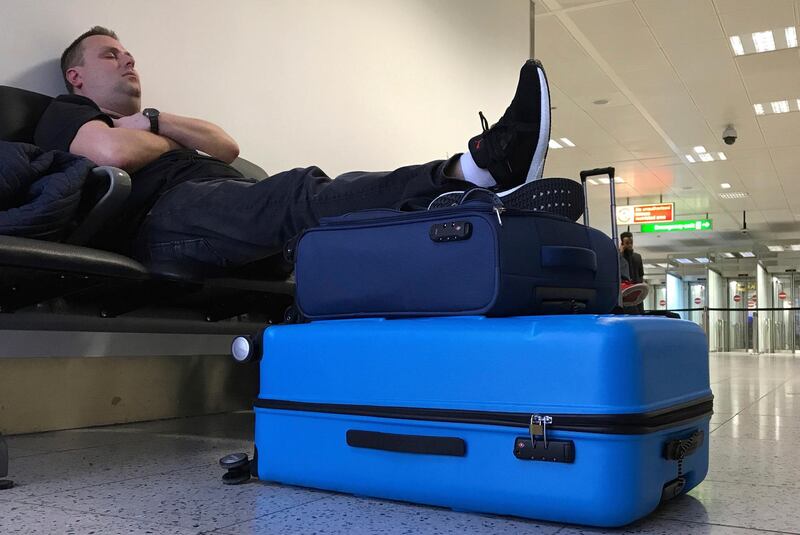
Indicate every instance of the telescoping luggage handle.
{"type": "Point", "coordinates": [599, 172]}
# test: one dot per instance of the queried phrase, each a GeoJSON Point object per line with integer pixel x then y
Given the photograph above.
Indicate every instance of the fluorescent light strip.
{"type": "Point", "coordinates": [553, 144]}
{"type": "Point", "coordinates": [734, 195]}
{"type": "Point", "coordinates": [795, 247]}
{"type": "Point", "coordinates": [665, 266]}
{"type": "Point", "coordinates": [700, 149]}
{"type": "Point", "coordinates": [775, 248]}
{"type": "Point", "coordinates": [703, 260]}
{"type": "Point", "coordinates": [729, 255]}
{"type": "Point", "coordinates": [736, 43]}
{"type": "Point", "coordinates": [721, 156]}
{"type": "Point", "coordinates": [706, 157]}
{"type": "Point", "coordinates": [690, 158]}
{"type": "Point", "coordinates": [764, 41]}
{"type": "Point", "coordinates": [791, 36]}
{"type": "Point", "coordinates": [780, 106]}
{"type": "Point", "coordinates": [760, 108]}
{"type": "Point", "coordinates": [746, 254]}
{"type": "Point", "coordinates": [592, 181]}
{"type": "Point", "coordinates": [725, 185]}
{"type": "Point", "coordinates": [567, 142]}
{"type": "Point", "coordinates": [649, 266]}
{"type": "Point", "coordinates": [619, 180]}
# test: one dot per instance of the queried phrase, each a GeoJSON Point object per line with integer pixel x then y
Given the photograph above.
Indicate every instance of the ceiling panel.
{"type": "Point", "coordinates": [772, 75]}
{"type": "Point", "coordinates": [781, 129]}
{"type": "Point", "coordinates": [697, 19]}
{"type": "Point", "coordinates": [757, 16]}
{"type": "Point", "coordinates": [726, 6]}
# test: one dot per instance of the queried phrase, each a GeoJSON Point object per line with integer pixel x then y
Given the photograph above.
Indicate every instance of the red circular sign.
{"type": "Point", "coordinates": [782, 295]}
{"type": "Point", "coordinates": [697, 300]}
{"type": "Point", "coordinates": [737, 298]}
{"type": "Point", "coordinates": [662, 303]}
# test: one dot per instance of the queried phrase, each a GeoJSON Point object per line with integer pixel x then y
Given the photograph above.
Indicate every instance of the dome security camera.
{"type": "Point", "coordinates": [729, 135]}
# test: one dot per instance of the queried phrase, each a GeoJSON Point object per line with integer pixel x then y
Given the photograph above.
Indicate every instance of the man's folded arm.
{"type": "Point", "coordinates": [200, 135]}
{"type": "Point", "coordinates": [119, 147]}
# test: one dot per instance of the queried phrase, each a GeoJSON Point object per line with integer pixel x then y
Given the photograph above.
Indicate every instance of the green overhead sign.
{"type": "Point", "coordinates": [678, 226]}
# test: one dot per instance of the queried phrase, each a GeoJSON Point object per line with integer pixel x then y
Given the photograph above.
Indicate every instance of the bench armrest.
{"type": "Point", "coordinates": [116, 192]}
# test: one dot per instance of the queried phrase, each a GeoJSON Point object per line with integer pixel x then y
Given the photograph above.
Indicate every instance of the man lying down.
{"type": "Point", "coordinates": [195, 208]}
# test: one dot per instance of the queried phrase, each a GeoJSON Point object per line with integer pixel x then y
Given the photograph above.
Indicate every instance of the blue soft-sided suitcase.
{"type": "Point", "coordinates": [472, 259]}
{"type": "Point", "coordinates": [441, 411]}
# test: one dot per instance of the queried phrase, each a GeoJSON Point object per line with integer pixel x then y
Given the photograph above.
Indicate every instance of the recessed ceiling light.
{"type": "Point", "coordinates": [721, 156]}
{"type": "Point", "coordinates": [775, 248]}
{"type": "Point", "coordinates": [553, 144]}
{"type": "Point", "coordinates": [690, 158]}
{"type": "Point", "coordinates": [791, 36]}
{"type": "Point", "coordinates": [734, 195]}
{"type": "Point", "coordinates": [746, 254]}
{"type": "Point", "coordinates": [759, 109]}
{"type": "Point", "coordinates": [736, 43]}
{"type": "Point", "coordinates": [780, 106]}
{"type": "Point", "coordinates": [725, 185]}
{"type": "Point", "coordinates": [703, 260]}
{"type": "Point", "coordinates": [764, 41]}
{"type": "Point", "coordinates": [567, 142]}
{"type": "Point", "coordinates": [729, 255]}
{"type": "Point", "coordinates": [684, 260]}
{"type": "Point", "coordinates": [700, 149]}
{"type": "Point", "coordinates": [795, 247]}
{"type": "Point", "coordinates": [706, 157]}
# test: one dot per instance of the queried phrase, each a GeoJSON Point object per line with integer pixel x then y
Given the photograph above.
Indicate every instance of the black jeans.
{"type": "Point", "coordinates": [227, 221]}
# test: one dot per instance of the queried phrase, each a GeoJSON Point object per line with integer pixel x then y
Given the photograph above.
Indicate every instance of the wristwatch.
{"type": "Point", "coordinates": [152, 114]}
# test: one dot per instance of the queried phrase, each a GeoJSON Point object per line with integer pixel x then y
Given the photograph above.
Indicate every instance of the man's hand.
{"type": "Point", "coordinates": [137, 121]}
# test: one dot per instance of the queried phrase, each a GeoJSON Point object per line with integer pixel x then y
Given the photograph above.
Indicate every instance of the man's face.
{"type": "Point", "coordinates": [627, 244]}
{"type": "Point", "coordinates": [107, 75]}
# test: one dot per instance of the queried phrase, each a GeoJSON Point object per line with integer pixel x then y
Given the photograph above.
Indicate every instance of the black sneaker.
{"type": "Point", "coordinates": [514, 149]}
{"type": "Point", "coordinates": [560, 196]}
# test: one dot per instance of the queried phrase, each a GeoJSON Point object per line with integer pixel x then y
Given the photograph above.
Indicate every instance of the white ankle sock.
{"type": "Point", "coordinates": [480, 177]}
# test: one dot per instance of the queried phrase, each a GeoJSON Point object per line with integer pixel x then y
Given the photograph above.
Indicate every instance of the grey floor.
{"type": "Point", "coordinates": [162, 477]}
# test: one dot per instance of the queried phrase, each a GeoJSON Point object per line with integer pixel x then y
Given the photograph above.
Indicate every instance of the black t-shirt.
{"type": "Point", "coordinates": [60, 123]}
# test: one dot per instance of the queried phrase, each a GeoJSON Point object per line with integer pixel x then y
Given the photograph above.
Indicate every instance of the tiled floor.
{"type": "Point", "coordinates": [162, 477]}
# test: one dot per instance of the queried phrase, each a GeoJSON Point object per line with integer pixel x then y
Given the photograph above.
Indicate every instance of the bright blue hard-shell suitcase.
{"type": "Point", "coordinates": [582, 419]}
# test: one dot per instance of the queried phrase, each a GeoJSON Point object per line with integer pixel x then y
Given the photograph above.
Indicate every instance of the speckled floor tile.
{"type": "Point", "coordinates": [659, 526]}
{"type": "Point", "coordinates": [754, 461]}
{"type": "Point", "coordinates": [350, 515]}
{"type": "Point", "coordinates": [762, 427]}
{"type": "Point", "coordinates": [56, 472]}
{"type": "Point", "coordinates": [737, 505]}
{"type": "Point", "coordinates": [39, 520]}
{"type": "Point", "coordinates": [73, 439]}
{"type": "Point", "coordinates": [193, 498]}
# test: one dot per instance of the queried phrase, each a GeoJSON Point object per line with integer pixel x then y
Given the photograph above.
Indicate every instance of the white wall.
{"type": "Point", "coordinates": [345, 84]}
{"type": "Point", "coordinates": [676, 294]}
{"type": "Point", "coordinates": [716, 299]}
{"type": "Point", "coordinates": [763, 300]}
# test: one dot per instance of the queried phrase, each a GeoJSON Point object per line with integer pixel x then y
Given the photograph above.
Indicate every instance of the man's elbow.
{"type": "Point", "coordinates": [229, 152]}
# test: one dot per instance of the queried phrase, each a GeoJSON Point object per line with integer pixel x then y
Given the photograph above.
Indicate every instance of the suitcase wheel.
{"type": "Point", "coordinates": [238, 468]}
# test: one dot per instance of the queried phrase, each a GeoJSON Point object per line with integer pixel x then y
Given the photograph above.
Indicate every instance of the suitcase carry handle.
{"type": "Point", "coordinates": [428, 445]}
{"type": "Point", "coordinates": [611, 174]}
{"type": "Point", "coordinates": [563, 256]}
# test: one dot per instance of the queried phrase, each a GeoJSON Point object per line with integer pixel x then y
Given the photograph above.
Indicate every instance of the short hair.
{"type": "Point", "coordinates": [73, 55]}
{"type": "Point", "coordinates": [624, 235]}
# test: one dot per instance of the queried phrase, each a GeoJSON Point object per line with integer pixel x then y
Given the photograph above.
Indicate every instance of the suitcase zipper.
{"type": "Point", "coordinates": [536, 424]}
